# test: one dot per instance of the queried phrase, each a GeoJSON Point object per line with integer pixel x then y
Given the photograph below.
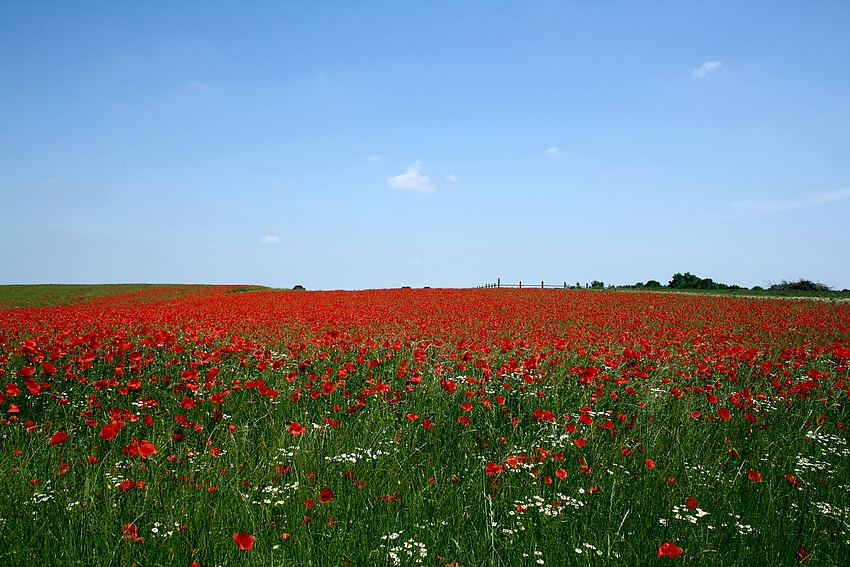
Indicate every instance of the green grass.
{"type": "Point", "coordinates": [462, 514]}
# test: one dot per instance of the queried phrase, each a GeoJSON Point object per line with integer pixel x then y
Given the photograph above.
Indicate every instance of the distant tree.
{"type": "Point", "coordinates": [653, 283]}
{"type": "Point", "coordinates": [757, 288]}
{"type": "Point", "coordinates": [298, 288]}
{"type": "Point", "coordinates": [596, 284]}
{"type": "Point", "coordinates": [690, 281]}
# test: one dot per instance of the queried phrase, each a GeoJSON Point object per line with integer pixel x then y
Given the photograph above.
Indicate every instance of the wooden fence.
{"type": "Point", "coordinates": [520, 285]}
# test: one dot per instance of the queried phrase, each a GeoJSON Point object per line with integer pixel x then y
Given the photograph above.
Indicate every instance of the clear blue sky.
{"type": "Point", "coordinates": [362, 145]}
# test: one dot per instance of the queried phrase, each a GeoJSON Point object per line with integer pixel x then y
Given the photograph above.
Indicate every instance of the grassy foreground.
{"type": "Point", "coordinates": [425, 427]}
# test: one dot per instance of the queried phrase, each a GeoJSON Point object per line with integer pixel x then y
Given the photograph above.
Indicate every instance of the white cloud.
{"type": "Point", "coordinates": [708, 67]}
{"type": "Point", "coordinates": [779, 206]}
{"type": "Point", "coordinates": [271, 239]}
{"type": "Point", "coordinates": [411, 179]}
{"type": "Point", "coordinates": [200, 85]}
{"type": "Point", "coordinates": [375, 157]}
{"type": "Point", "coordinates": [452, 177]}
{"type": "Point", "coordinates": [553, 151]}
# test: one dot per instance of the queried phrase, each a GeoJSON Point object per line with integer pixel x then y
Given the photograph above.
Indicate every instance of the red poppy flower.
{"type": "Point", "coordinates": [650, 464]}
{"type": "Point", "coordinates": [140, 447]}
{"type": "Point", "coordinates": [412, 416]}
{"type": "Point", "coordinates": [724, 413]}
{"type": "Point", "coordinates": [426, 423]}
{"type": "Point", "coordinates": [58, 437]}
{"type": "Point", "coordinates": [792, 480]}
{"type": "Point", "coordinates": [754, 475]}
{"type": "Point", "coordinates": [109, 431]}
{"type": "Point", "coordinates": [131, 531]}
{"type": "Point", "coordinates": [669, 549]}
{"type": "Point", "coordinates": [126, 486]}
{"type": "Point", "coordinates": [463, 420]}
{"type": "Point", "coordinates": [586, 419]}
{"type": "Point", "coordinates": [244, 541]}
{"type": "Point", "coordinates": [466, 406]}
{"type": "Point", "coordinates": [561, 473]}
{"type": "Point", "coordinates": [326, 495]}
{"type": "Point", "coordinates": [692, 503]}
{"type": "Point", "coordinates": [492, 468]}
{"type": "Point", "coordinates": [580, 441]}
{"type": "Point", "coordinates": [308, 503]}
{"type": "Point", "coordinates": [296, 428]}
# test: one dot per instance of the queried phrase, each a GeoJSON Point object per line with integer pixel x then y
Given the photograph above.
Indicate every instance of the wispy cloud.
{"type": "Point", "coordinates": [375, 157]}
{"type": "Point", "coordinates": [200, 85]}
{"type": "Point", "coordinates": [411, 179]}
{"type": "Point", "coordinates": [452, 177]}
{"type": "Point", "coordinates": [553, 151]}
{"type": "Point", "coordinates": [708, 68]}
{"type": "Point", "coordinates": [271, 239]}
{"type": "Point", "coordinates": [780, 206]}
{"type": "Point", "coordinates": [830, 197]}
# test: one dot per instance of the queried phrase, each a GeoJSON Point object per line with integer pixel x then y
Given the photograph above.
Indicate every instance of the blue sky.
{"type": "Point", "coordinates": [361, 145]}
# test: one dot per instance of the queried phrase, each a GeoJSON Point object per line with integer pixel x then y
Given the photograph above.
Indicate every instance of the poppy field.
{"type": "Point", "coordinates": [447, 428]}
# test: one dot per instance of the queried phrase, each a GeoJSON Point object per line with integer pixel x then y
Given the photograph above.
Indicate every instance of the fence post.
{"type": "Point", "coordinates": [498, 282]}
{"type": "Point", "coordinates": [565, 285]}
{"type": "Point", "coordinates": [520, 284]}
{"type": "Point", "coordinates": [541, 284]}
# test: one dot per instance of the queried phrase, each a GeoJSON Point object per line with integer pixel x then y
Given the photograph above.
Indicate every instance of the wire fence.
{"type": "Point", "coordinates": [520, 285]}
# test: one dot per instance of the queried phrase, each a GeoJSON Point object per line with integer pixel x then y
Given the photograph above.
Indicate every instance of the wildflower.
{"type": "Point", "coordinates": [109, 431]}
{"type": "Point", "coordinates": [792, 480]}
{"type": "Point", "coordinates": [131, 531]}
{"type": "Point", "coordinates": [326, 495]}
{"type": "Point", "coordinates": [58, 437]}
{"type": "Point", "coordinates": [754, 475]}
{"type": "Point", "coordinates": [244, 541]}
{"type": "Point", "coordinates": [140, 447]}
{"type": "Point", "coordinates": [492, 468]}
{"type": "Point", "coordinates": [669, 549]}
